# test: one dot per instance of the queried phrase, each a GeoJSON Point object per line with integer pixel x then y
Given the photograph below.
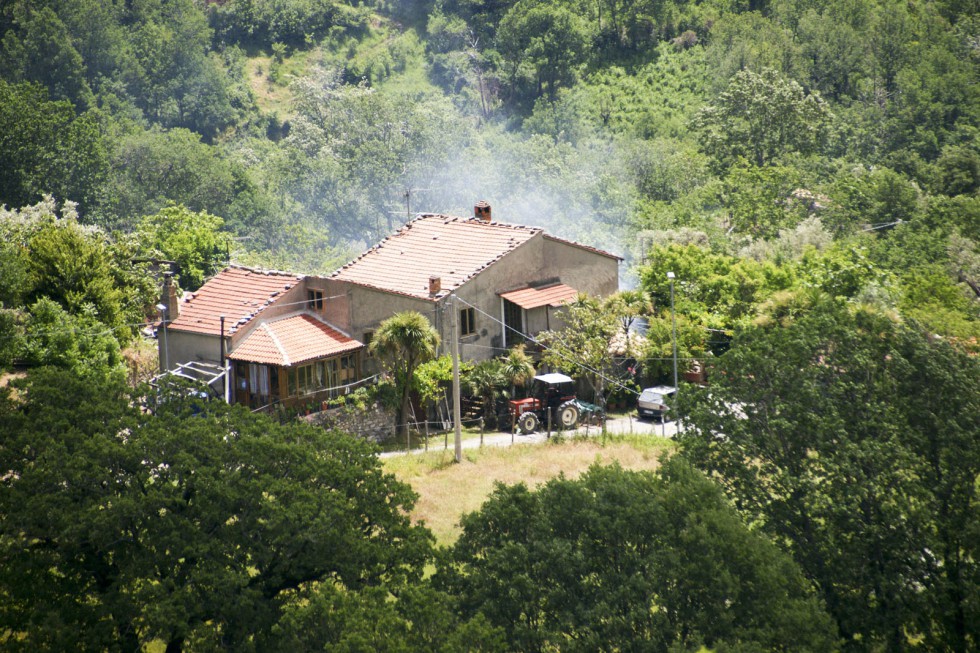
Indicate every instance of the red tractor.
{"type": "Point", "coordinates": [551, 393]}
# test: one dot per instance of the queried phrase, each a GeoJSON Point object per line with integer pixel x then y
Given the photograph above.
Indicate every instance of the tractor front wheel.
{"type": "Point", "coordinates": [568, 415]}
{"type": "Point", "coordinates": [528, 423]}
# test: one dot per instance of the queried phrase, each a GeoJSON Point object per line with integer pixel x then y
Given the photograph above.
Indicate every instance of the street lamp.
{"type": "Point", "coordinates": [165, 363]}
{"type": "Point", "coordinates": [673, 333]}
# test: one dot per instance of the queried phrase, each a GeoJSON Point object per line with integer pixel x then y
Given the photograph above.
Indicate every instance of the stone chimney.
{"type": "Point", "coordinates": [169, 297]}
{"type": "Point", "coordinates": [435, 285]}
{"type": "Point", "coordinates": [482, 211]}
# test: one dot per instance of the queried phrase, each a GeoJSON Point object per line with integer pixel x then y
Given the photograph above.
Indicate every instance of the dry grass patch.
{"type": "Point", "coordinates": [447, 491]}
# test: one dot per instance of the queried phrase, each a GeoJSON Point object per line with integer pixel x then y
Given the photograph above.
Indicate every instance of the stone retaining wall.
{"type": "Point", "coordinates": [374, 423]}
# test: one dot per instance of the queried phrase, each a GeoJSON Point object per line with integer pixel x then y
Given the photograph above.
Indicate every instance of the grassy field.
{"type": "Point", "coordinates": [447, 491]}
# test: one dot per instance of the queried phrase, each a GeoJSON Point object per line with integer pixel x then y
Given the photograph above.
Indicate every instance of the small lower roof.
{"type": "Point", "coordinates": [528, 298]}
{"type": "Point", "coordinates": [293, 340]}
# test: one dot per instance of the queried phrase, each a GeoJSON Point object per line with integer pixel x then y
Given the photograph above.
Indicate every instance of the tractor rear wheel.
{"type": "Point", "coordinates": [568, 415]}
{"type": "Point", "coordinates": [528, 423]}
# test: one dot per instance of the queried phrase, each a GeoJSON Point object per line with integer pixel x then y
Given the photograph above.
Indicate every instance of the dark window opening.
{"type": "Point", "coordinates": [467, 322]}
{"type": "Point", "coordinates": [314, 299]}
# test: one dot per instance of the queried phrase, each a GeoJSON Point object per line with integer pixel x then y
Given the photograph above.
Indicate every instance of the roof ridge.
{"type": "Point", "coordinates": [307, 314]}
{"type": "Point", "coordinates": [266, 271]}
{"type": "Point", "coordinates": [590, 248]}
{"type": "Point", "coordinates": [275, 340]}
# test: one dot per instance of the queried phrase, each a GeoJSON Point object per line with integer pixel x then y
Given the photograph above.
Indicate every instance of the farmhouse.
{"type": "Point", "coordinates": [289, 337]}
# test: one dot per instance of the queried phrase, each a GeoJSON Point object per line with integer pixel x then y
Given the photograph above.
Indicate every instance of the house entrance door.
{"type": "Point", "coordinates": [513, 323]}
{"type": "Point", "coordinates": [241, 383]}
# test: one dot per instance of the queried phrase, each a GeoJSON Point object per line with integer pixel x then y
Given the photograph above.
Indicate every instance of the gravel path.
{"type": "Point", "coordinates": [622, 425]}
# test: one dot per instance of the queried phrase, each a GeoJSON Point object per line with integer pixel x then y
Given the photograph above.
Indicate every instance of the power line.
{"type": "Point", "coordinates": [599, 374]}
{"type": "Point", "coordinates": [648, 358]}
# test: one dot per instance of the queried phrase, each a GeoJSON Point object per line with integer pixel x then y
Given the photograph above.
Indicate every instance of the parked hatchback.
{"type": "Point", "coordinates": [655, 402]}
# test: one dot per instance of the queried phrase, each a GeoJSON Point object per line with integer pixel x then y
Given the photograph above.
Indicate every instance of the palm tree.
{"type": "Point", "coordinates": [518, 368]}
{"type": "Point", "coordinates": [401, 343]}
{"type": "Point", "coordinates": [486, 380]}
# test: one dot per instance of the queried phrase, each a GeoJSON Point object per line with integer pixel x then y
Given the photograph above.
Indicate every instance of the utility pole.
{"type": "Point", "coordinates": [456, 392]}
{"type": "Point", "coordinates": [673, 338]}
{"type": "Point", "coordinates": [165, 363]}
{"type": "Point", "coordinates": [673, 330]}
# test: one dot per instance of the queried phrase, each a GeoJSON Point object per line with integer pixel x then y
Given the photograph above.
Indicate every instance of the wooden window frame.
{"type": "Point", "coordinates": [314, 300]}
{"type": "Point", "coordinates": [467, 322]}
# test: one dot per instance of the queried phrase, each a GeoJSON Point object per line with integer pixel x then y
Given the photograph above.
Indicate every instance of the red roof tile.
{"type": "Point", "coordinates": [293, 340]}
{"type": "Point", "coordinates": [454, 249]}
{"type": "Point", "coordinates": [235, 292]}
{"type": "Point", "coordinates": [528, 298]}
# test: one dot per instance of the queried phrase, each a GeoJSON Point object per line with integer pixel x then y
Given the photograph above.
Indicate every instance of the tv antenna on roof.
{"type": "Point", "coordinates": [408, 203]}
{"type": "Point", "coordinates": [408, 200]}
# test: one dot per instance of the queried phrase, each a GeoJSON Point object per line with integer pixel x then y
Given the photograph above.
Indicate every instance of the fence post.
{"type": "Point", "coordinates": [427, 434]}
{"type": "Point", "coordinates": [481, 432]}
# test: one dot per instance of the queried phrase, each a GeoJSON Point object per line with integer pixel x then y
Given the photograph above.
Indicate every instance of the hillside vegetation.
{"type": "Point", "coordinates": [808, 171]}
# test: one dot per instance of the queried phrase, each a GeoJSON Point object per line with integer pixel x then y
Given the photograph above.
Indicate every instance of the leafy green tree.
{"type": "Point", "coordinates": [353, 150]}
{"type": "Point", "coordinates": [958, 171]}
{"type": "Point", "coordinates": [179, 83]}
{"type": "Point", "coordinates": [10, 338]}
{"type": "Point", "coordinates": [878, 198]}
{"type": "Point", "coordinates": [761, 116]}
{"type": "Point", "coordinates": [834, 50]}
{"type": "Point", "coordinates": [483, 16]}
{"type": "Point", "coordinates": [932, 297]}
{"type": "Point", "coordinates": [48, 149]}
{"type": "Point", "coordinates": [414, 618]}
{"type": "Point", "coordinates": [87, 274]}
{"type": "Point", "coordinates": [633, 24]}
{"type": "Point", "coordinates": [842, 271]}
{"type": "Point", "coordinates": [13, 271]}
{"type": "Point", "coordinates": [194, 240]}
{"type": "Point", "coordinates": [155, 167]}
{"type": "Point", "coordinates": [79, 343]}
{"type": "Point", "coordinates": [851, 439]}
{"type": "Point", "coordinates": [542, 43]}
{"type": "Point", "coordinates": [195, 525]}
{"type": "Point", "coordinates": [402, 342]}
{"type": "Point", "coordinates": [81, 270]}
{"type": "Point", "coordinates": [628, 306]}
{"type": "Point", "coordinates": [760, 201]}
{"type": "Point", "coordinates": [39, 49]}
{"type": "Point", "coordinates": [583, 343]}
{"type": "Point", "coordinates": [657, 352]}
{"type": "Point", "coordinates": [632, 561]}
{"type": "Point", "coordinates": [715, 290]}
{"type": "Point", "coordinates": [751, 41]}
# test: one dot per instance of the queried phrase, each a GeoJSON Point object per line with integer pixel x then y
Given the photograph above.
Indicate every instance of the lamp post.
{"type": "Point", "coordinates": [165, 363]}
{"type": "Point", "coordinates": [673, 333]}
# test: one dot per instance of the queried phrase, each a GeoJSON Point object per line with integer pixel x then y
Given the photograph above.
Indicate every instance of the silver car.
{"type": "Point", "coordinates": [655, 402]}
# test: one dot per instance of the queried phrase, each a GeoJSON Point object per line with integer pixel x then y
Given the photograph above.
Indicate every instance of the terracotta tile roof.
{"type": "Point", "coordinates": [237, 293]}
{"type": "Point", "coordinates": [595, 250]}
{"type": "Point", "coordinates": [454, 249]}
{"type": "Point", "coordinates": [528, 298]}
{"type": "Point", "coordinates": [293, 340]}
